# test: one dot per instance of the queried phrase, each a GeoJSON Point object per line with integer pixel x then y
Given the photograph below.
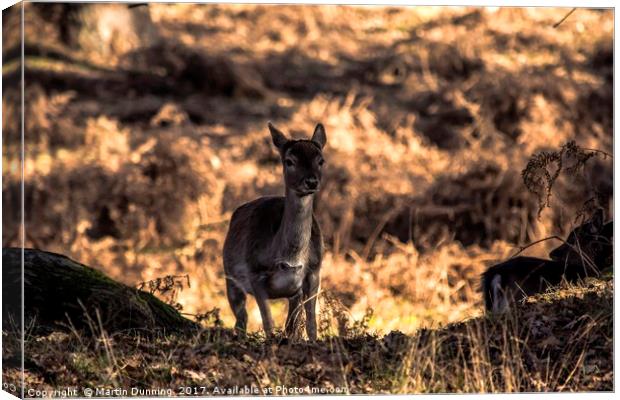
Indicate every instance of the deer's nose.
{"type": "Point", "coordinates": [311, 183]}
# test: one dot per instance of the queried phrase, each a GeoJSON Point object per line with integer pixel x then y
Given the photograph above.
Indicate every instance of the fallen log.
{"type": "Point", "coordinates": [60, 292]}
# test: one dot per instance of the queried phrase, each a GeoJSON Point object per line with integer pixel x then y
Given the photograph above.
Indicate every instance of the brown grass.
{"type": "Point", "coordinates": [554, 342]}
{"type": "Point", "coordinates": [431, 113]}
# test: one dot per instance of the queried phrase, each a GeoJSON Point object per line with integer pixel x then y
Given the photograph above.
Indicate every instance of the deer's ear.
{"type": "Point", "coordinates": [319, 136]}
{"type": "Point", "coordinates": [279, 140]}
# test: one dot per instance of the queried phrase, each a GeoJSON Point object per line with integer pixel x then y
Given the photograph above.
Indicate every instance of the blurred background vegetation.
{"type": "Point", "coordinates": [145, 128]}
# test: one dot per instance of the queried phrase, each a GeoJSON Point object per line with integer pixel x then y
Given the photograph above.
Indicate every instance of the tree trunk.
{"type": "Point", "coordinates": [58, 290]}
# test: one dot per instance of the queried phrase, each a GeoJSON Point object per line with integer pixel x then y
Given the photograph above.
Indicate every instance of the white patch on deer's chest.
{"type": "Point", "coordinates": [286, 282]}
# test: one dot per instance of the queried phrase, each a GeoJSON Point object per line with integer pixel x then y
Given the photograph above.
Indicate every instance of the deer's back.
{"type": "Point", "coordinates": [522, 276]}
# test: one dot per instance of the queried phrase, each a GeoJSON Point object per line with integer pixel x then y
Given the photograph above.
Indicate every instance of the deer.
{"type": "Point", "coordinates": [587, 251]}
{"type": "Point", "coordinates": [274, 245]}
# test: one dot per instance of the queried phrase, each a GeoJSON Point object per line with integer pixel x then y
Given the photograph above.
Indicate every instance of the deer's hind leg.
{"type": "Point", "coordinates": [236, 299]}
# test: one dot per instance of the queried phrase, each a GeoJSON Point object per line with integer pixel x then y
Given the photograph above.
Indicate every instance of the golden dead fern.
{"type": "Point", "coordinates": [544, 168]}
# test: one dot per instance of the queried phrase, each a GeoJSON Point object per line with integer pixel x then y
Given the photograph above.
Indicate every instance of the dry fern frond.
{"type": "Point", "coordinates": [210, 318]}
{"type": "Point", "coordinates": [544, 168]}
{"type": "Point", "coordinates": [168, 287]}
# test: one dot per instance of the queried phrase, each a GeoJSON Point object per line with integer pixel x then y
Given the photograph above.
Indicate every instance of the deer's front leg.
{"type": "Point", "coordinates": [294, 308]}
{"type": "Point", "coordinates": [311, 291]}
{"type": "Point", "coordinates": [265, 313]}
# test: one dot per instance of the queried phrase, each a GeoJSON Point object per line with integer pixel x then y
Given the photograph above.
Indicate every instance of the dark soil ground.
{"type": "Point", "coordinates": [558, 341]}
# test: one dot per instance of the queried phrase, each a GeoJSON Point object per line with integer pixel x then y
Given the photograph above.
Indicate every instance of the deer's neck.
{"type": "Point", "coordinates": [292, 241]}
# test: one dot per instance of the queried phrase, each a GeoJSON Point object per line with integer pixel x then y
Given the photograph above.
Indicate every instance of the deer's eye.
{"type": "Point", "coordinates": [321, 162]}
{"type": "Point", "coordinates": [288, 162]}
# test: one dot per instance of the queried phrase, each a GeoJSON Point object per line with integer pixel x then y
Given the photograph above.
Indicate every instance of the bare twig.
{"type": "Point", "coordinates": [564, 19]}
{"type": "Point", "coordinates": [377, 231]}
{"type": "Point", "coordinates": [606, 154]}
{"type": "Point", "coordinates": [577, 248]}
{"type": "Point", "coordinates": [522, 248]}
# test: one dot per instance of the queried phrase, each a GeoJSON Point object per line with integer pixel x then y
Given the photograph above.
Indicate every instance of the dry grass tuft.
{"type": "Point", "coordinates": [553, 342]}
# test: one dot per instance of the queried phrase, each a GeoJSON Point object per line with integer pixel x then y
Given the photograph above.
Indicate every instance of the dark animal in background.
{"type": "Point", "coordinates": [587, 251]}
{"type": "Point", "coordinates": [274, 245]}
{"type": "Point", "coordinates": [592, 239]}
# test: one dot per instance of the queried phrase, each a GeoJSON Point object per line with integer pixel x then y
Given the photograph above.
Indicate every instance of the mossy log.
{"type": "Point", "coordinates": [61, 292]}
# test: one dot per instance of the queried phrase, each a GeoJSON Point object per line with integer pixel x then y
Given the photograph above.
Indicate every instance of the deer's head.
{"type": "Point", "coordinates": [302, 160]}
{"type": "Point", "coordinates": [593, 239]}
